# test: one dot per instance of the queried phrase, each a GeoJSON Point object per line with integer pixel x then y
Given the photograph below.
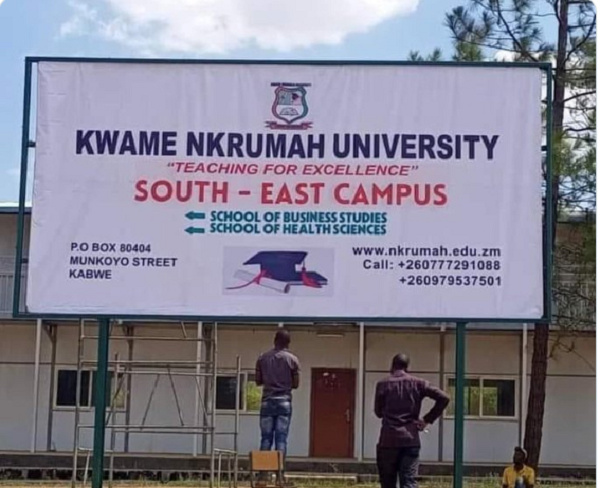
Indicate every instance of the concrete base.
{"type": "Point", "coordinates": [59, 465]}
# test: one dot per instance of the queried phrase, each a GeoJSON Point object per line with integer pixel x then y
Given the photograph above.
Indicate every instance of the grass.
{"type": "Point", "coordinates": [427, 483]}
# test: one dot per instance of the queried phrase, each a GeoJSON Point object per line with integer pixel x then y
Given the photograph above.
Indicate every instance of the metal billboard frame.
{"type": "Point", "coordinates": [26, 144]}
{"type": "Point", "coordinates": [104, 320]}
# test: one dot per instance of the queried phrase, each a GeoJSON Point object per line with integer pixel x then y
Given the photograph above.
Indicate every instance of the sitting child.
{"type": "Point", "coordinates": [519, 475]}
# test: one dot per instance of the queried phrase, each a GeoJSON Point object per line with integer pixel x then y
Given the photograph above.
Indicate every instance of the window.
{"type": "Point", "coordinates": [498, 398]}
{"type": "Point", "coordinates": [250, 396]}
{"type": "Point", "coordinates": [471, 396]}
{"type": "Point", "coordinates": [113, 392]}
{"type": "Point", "coordinates": [485, 397]}
{"type": "Point", "coordinates": [66, 389]}
{"type": "Point", "coordinates": [253, 394]}
{"type": "Point", "coordinates": [226, 393]}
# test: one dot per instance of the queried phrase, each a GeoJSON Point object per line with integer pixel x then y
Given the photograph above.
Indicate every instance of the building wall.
{"type": "Point", "coordinates": [8, 240]}
{"type": "Point", "coordinates": [17, 349]}
{"type": "Point", "coordinates": [8, 234]}
{"type": "Point", "coordinates": [570, 414]}
{"type": "Point", "coordinates": [424, 349]}
{"type": "Point", "coordinates": [313, 352]}
{"type": "Point", "coordinates": [571, 393]}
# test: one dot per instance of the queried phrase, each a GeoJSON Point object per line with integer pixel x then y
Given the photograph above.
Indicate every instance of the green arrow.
{"type": "Point", "coordinates": [194, 230]}
{"type": "Point", "coordinates": [195, 215]}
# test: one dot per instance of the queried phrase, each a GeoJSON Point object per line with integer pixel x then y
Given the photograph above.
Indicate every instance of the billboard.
{"type": "Point", "coordinates": [287, 191]}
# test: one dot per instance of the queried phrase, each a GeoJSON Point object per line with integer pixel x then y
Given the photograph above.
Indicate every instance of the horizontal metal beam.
{"type": "Point", "coordinates": [165, 372]}
{"type": "Point", "coordinates": [149, 362]}
{"type": "Point", "coordinates": [225, 319]}
{"type": "Point", "coordinates": [148, 427]}
{"type": "Point", "coordinates": [155, 338]}
{"type": "Point", "coordinates": [287, 62]}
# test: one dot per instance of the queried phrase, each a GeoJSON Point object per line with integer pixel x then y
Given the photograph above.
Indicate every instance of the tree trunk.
{"type": "Point", "coordinates": [558, 102]}
{"type": "Point", "coordinates": [537, 395]}
{"type": "Point", "coordinates": [539, 361]}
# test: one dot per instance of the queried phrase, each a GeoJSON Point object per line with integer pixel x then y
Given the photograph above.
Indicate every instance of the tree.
{"type": "Point", "coordinates": [516, 28]}
{"type": "Point", "coordinates": [575, 253]}
{"type": "Point", "coordinates": [436, 55]}
{"type": "Point", "coordinates": [463, 51]}
{"type": "Point", "coordinates": [467, 51]}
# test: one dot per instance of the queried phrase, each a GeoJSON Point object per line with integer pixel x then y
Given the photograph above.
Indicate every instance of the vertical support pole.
{"type": "Point", "coordinates": [25, 145]}
{"type": "Point", "coordinates": [36, 382]}
{"type": "Point", "coordinates": [213, 401]}
{"type": "Point", "coordinates": [459, 404]}
{"type": "Point", "coordinates": [99, 411]}
{"type": "Point", "coordinates": [236, 431]}
{"type": "Point", "coordinates": [206, 381]}
{"type": "Point", "coordinates": [442, 380]}
{"type": "Point", "coordinates": [53, 332]}
{"type": "Point", "coordinates": [130, 331]}
{"type": "Point", "coordinates": [115, 386]}
{"type": "Point", "coordinates": [80, 358]}
{"type": "Point", "coordinates": [523, 415]}
{"type": "Point", "coordinates": [549, 206]}
{"type": "Point", "coordinates": [361, 391]}
{"type": "Point", "coordinates": [199, 342]}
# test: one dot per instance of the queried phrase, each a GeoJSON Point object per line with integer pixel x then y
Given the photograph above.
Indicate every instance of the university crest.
{"type": "Point", "coordinates": [289, 106]}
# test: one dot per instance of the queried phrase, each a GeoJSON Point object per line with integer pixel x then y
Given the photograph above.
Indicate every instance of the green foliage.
{"type": "Point", "coordinates": [253, 396]}
{"type": "Point", "coordinates": [512, 30]}
{"type": "Point", "coordinates": [467, 51]}
{"type": "Point", "coordinates": [436, 55]}
{"type": "Point", "coordinates": [511, 26]}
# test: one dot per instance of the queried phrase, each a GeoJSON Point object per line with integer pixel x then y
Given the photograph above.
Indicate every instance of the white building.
{"type": "Point", "coordinates": [497, 364]}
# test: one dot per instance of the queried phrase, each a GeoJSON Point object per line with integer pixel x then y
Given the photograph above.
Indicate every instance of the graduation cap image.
{"type": "Point", "coordinates": [279, 271]}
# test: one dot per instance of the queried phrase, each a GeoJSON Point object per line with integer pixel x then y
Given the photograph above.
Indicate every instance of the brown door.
{"type": "Point", "coordinates": [332, 413]}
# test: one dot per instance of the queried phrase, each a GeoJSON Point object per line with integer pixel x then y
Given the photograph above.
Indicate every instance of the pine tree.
{"type": "Point", "coordinates": [516, 29]}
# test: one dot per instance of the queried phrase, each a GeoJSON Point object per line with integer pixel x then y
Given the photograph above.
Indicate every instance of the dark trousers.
{"type": "Point", "coordinates": [395, 463]}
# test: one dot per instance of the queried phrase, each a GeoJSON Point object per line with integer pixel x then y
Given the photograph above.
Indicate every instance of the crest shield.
{"type": "Point", "coordinates": [290, 104]}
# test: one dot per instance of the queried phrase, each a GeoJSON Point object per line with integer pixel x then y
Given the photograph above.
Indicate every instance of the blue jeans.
{"type": "Point", "coordinates": [275, 417]}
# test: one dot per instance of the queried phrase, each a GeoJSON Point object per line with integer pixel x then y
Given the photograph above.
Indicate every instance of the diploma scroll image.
{"type": "Point", "coordinates": [279, 271]}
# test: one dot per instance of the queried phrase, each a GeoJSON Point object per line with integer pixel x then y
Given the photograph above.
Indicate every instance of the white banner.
{"type": "Point", "coordinates": [223, 190]}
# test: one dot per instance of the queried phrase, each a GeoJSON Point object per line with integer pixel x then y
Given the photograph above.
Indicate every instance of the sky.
{"type": "Point", "coordinates": [234, 29]}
